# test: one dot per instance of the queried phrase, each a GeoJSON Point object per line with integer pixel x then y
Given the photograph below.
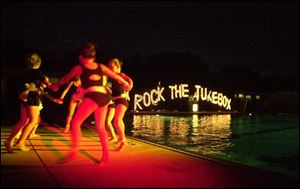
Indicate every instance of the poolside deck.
{"type": "Point", "coordinates": [139, 165]}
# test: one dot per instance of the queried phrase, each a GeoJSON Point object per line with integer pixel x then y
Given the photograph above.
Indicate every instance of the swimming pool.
{"type": "Point", "coordinates": [263, 141]}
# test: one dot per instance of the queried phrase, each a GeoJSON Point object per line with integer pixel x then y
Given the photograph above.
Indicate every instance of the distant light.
{"type": "Point", "coordinates": [257, 97]}
{"type": "Point", "coordinates": [248, 97]}
{"type": "Point", "coordinates": [250, 114]}
{"type": "Point", "coordinates": [195, 107]}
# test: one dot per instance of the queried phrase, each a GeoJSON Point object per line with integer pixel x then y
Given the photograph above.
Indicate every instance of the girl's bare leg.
{"type": "Point", "coordinates": [84, 110]}
{"type": "Point", "coordinates": [119, 124]}
{"type": "Point", "coordinates": [18, 135]}
{"type": "Point", "coordinates": [33, 132]}
{"type": "Point", "coordinates": [17, 128]}
{"type": "Point", "coordinates": [33, 113]}
{"type": "Point", "coordinates": [109, 126]}
{"type": "Point", "coordinates": [100, 115]}
{"type": "Point", "coordinates": [72, 108]}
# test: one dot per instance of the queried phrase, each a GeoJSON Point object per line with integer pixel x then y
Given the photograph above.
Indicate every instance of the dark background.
{"type": "Point", "coordinates": [250, 46]}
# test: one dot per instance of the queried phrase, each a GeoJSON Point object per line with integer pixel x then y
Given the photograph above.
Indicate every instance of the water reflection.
{"type": "Point", "coordinates": [262, 141]}
{"type": "Point", "coordinates": [179, 129]}
{"type": "Point", "coordinates": [199, 134]}
{"type": "Point", "coordinates": [211, 135]}
{"type": "Point", "coordinates": [148, 127]}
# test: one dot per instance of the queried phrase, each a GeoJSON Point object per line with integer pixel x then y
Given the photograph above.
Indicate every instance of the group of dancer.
{"type": "Point", "coordinates": [107, 99]}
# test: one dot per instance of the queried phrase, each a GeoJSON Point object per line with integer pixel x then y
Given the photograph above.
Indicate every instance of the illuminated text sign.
{"type": "Point", "coordinates": [154, 96]}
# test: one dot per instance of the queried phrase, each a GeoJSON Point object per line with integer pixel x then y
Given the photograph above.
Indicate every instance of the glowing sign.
{"type": "Point", "coordinates": [153, 98]}
{"type": "Point", "coordinates": [181, 91]}
{"type": "Point", "coordinates": [212, 96]}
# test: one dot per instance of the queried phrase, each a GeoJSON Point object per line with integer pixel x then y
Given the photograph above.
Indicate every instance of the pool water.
{"type": "Point", "coordinates": [263, 141]}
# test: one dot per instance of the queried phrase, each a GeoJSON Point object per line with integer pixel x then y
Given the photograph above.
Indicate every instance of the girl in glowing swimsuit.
{"type": "Point", "coordinates": [30, 103]}
{"type": "Point", "coordinates": [120, 97]}
{"type": "Point", "coordinates": [96, 98]}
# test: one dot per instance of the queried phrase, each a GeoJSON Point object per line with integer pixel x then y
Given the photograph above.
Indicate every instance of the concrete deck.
{"type": "Point", "coordinates": [139, 165]}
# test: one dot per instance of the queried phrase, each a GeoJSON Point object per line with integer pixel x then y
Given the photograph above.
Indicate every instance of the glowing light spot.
{"type": "Point", "coordinates": [195, 107]}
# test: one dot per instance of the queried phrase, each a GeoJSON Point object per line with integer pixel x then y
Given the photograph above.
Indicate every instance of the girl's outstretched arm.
{"type": "Point", "coordinates": [75, 71]}
{"type": "Point", "coordinates": [63, 94]}
{"type": "Point", "coordinates": [56, 100]}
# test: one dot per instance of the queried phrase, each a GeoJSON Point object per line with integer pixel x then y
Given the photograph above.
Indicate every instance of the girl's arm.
{"type": "Point", "coordinates": [76, 70]}
{"type": "Point", "coordinates": [62, 96]}
{"type": "Point", "coordinates": [114, 76]}
{"type": "Point", "coordinates": [128, 79]}
{"type": "Point", "coordinates": [42, 77]}
{"type": "Point", "coordinates": [23, 95]}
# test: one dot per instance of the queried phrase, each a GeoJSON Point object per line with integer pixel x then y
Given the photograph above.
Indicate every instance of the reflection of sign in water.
{"type": "Point", "coordinates": [146, 125]}
{"type": "Point", "coordinates": [181, 91]}
{"type": "Point", "coordinates": [199, 134]}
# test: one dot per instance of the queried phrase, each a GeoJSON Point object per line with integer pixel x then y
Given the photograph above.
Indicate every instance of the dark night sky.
{"type": "Point", "coordinates": [261, 34]}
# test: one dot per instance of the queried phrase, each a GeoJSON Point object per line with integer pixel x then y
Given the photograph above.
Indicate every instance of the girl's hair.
{"type": "Point", "coordinates": [33, 60]}
{"type": "Point", "coordinates": [116, 62]}
{"type": "Point", "coordinates": [88, 50]}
